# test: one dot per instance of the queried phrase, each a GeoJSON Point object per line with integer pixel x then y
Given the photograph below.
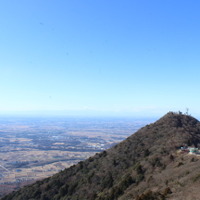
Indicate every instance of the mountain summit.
{"type": "Point", "coordinates": [152, 164]}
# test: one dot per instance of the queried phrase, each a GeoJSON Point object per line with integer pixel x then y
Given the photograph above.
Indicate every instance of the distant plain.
{"type": "Point", "coordinates": [32, 148]}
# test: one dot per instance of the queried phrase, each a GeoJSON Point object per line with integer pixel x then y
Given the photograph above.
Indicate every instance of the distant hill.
{"type": "Point", "coordinates": [146, 166]}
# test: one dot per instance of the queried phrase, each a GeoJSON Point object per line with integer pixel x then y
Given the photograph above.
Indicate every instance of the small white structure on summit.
{"type": "Point", "coordinates": [193, 150]}
{"type": "Point", "coordinates": [190, 150]}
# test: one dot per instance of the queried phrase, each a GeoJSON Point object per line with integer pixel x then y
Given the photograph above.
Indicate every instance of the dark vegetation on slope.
{"type": "Point", "coordinates": [146, 165]}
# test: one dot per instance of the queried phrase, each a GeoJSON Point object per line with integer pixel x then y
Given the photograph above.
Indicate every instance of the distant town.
{"type": "Point", "coordinates": [34, 148]}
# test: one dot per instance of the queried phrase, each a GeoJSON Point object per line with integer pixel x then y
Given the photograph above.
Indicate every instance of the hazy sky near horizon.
{"type": "Point", "coordinates": [97, 56]}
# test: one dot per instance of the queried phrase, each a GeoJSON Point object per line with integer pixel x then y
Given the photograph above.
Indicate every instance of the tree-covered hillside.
{"type": "Point", "coordinates": [147, 165]}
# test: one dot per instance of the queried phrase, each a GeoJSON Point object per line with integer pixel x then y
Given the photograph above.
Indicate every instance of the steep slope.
{"type": "Point", "coordinates": [147, 165]}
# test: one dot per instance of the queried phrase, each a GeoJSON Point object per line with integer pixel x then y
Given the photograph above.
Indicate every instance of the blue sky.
{"type": "Point", "coordinates": [131, 57]}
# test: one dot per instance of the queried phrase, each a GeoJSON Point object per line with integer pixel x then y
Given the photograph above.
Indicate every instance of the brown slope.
{"type": "Point", "coordinates": [144, 166]}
